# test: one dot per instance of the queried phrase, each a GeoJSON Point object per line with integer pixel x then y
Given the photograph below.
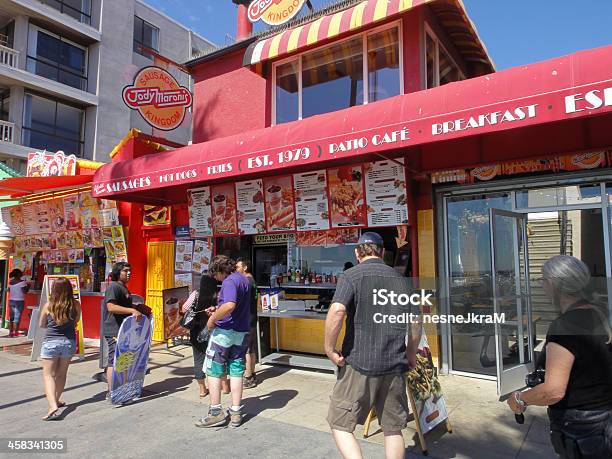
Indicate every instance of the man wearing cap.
{"type": "Point", "coordinates": [374, 355]}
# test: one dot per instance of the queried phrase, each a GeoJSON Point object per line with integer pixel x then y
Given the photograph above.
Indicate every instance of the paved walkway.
{"type": "Point", "coordinates": [286, 415]}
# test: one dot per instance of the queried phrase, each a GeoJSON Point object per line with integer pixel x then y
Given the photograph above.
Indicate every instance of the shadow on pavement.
{"type": "Point", "coordinates": [275, 400]}
{"type": "Point", "coordinates": [69, 409]}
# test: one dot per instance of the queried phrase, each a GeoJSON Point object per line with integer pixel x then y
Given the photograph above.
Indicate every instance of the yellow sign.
{"type": "Point", "coordinates": [274, 12]}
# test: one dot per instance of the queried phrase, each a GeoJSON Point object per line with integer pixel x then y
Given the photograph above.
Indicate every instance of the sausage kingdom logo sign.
{"type": "Point", "coordinates": [159, 98]}
{"type": "Point", "coordinates": [274, 12]}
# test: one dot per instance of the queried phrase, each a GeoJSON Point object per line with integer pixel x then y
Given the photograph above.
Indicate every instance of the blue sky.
{"type": "Point", "coordinates": [515, 31]}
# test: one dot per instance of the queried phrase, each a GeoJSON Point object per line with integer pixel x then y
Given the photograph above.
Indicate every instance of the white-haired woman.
{"type": "Point", "coordinates": [578, 355]}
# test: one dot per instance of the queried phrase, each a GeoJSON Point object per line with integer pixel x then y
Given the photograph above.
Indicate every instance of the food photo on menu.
{"type": "Point", "coordinates": [224, 209]}
{"type": "Point", "coordinates": [280, 214]}
{"type": "Point", "coordinates": [346, 196]}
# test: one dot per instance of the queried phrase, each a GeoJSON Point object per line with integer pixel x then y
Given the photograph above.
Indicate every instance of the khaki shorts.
{"type": "Point", "coordinates": [355, 394]}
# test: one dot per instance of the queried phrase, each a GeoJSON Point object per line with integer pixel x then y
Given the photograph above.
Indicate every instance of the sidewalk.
{"type": "Point", "coordinates": [287, 400]}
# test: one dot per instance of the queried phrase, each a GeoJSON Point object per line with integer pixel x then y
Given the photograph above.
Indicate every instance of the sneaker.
{"type": "Point", "coordinates": [235, 417]}
{"type": "Point", "coordinates": [249, 383]}
{"type": "Point", "coordinates": [213, 420]}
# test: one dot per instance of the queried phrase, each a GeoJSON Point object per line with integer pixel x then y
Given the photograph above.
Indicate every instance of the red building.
{"type": "Point", "coordinates": [502, 168]}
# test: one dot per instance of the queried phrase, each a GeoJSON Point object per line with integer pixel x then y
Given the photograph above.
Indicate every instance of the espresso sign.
{"type": "Point", "coordinates": [159, 98]}
{"type": "Point", "coordinates": [274, 12]}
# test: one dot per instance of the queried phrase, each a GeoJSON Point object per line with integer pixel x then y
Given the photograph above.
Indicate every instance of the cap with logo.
{"type": "Point", "coordinates": [371, 238]}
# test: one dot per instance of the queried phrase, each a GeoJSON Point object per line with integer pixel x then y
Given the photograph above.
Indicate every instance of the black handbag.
{"type": "Point", "coordinates": [187, 321]}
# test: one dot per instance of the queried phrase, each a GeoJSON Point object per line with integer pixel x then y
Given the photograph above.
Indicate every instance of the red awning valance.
{"type": "Point", "coordinates": [451, 14]}
{"type": "Point", "coordinates": [23, 186]}
{"type": "Point", "coordinates": [544, 93]}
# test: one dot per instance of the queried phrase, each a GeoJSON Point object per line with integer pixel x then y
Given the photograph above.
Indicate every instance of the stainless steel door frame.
{"type": "Point", "coordinates": [512, 378]}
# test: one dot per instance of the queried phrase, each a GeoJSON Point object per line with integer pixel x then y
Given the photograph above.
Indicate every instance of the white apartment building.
{"type": "Point", "coordinates": [64, 64]}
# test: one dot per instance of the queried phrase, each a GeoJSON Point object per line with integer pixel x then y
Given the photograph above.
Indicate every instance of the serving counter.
{"type": "Point", "coordinates": [293, 359]}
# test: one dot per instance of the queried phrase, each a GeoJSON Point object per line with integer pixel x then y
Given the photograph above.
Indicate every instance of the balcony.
{"type": "Point", "coordinates": [7, 131]}
{"type": "Point", "coordinates": [9, 57]}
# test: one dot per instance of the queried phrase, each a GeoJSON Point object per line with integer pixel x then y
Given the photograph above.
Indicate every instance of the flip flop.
{"type": "Point", "coordinates": [61, 404]}
{"type": "Point", "coordinates": [204, 395]}
{"type": "Point", "coordinates": [51, 416]}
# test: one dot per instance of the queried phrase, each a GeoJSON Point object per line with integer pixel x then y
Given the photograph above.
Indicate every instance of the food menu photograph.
{"type": "Point", "coordinates": [223, 199]}
{"type": "Point", "coordinates": [17, 222]}
{"type": "Point", "coordinates": [200, 215]}
{"type": "Point", "coordinates": [56, 213]}
{"type": "Point", "coordinates": [386, 193]}
{"type": "Point", "coordinates": [346, 196]}
{"type": "Point", "coordinates": [183, 255]}
{"type": "Point", "coordinates": [250, 207]}
{"type": "Point", "coordinates": [202, 254]}
{"type": "Point", "coordinates": [155, 215]}
{"type": "Point", "coordinates": [90, 212]}
{"type": "Point", "coordinates": [278, 192]}
{"type": "Point", "coordinates": [72, 213]}
{"type": "Point", "coordinates": [311, 204]}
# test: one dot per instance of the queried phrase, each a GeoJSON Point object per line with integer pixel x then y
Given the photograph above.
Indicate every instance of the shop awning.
{"type": "Point", "coordinates": [544, 94]}
{"type": "Point", "coordinates": [23, 186]}
{"type": "Point", "coordinates": [451, 14]}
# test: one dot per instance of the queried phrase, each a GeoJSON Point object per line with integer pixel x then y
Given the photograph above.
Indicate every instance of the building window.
{"type": "Point", "coordinates": [52, 56]}
{"type": "Point", "coordinates": [146, 36]}
{"type": "Point", "coordinates": [77, 9]}
{"type": "Point", "coordinates": [439, 65]}
{"type": "Point", "coordinates": [332, 78]}
{"type": "Point", "coordinates": [5, 102]}
{"type": "Point", "coordinates": [53, 126]}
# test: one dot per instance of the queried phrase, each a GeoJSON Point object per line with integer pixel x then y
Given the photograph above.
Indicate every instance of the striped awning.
{"type": "Point", "coordinates": [325, 27]}
{"type": "Point", "coordinates": [360, 15]}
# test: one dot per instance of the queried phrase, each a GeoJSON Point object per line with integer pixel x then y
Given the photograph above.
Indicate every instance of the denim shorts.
{"type": "Point", "coordinates": [16, 307]}
{"type": "Point", "coordinates": [63, 348]}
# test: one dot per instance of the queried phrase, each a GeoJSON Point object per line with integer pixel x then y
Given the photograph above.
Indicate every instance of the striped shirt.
{"type": "Point", "coordinates": [369, 347]}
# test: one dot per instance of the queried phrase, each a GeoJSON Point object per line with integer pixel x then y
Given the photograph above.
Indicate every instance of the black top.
{"type": "Point", "coordinates": [54, 331]}
{"type": "Point", "coordinates": [118, 294]}
{"type": "Point", "coordinates": [369, 347]}
{"type": "Point", "coordinates": [206, 298]}
{"type": "Point", "coordinates": [581, 332]}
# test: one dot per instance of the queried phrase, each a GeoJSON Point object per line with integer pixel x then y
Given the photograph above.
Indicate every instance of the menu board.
{"type": "Point", "coordinates": [311, 239]}
{"type": "Point", "coordinates": [223, 199]}
{"type": "Point", "coordinates": [311, 204]}
{"type": "Point", "coordinates": [342, 236]}
{"type": "Point", "coordinates": [200, 216]}
{"type": "Point", "coordinates": [90, 212]}
{"type": "Point", "coordinates": [72, 213]}
{"type": "Point", "coordinates": [17, 222]}
{"type": "Point", "coordinates": [202, 254]}
{"type": "Point", "coordinates": [183, 256]}
{"type": "Point", "coordinates": [56, 213]}
{"type": "Point", "coordinates": [114, 244]}
{"type": "Point", "coordinates": [92, 237]}
{"type": "Point", "coordinates": [109, 214]}
{"type": "Point", "coordinates": [250, 207]}
{"type": "Point", "coordinates": [386, 193]}
{"type": "Point", "coordinates": [183, 280]}
{"type": "Point", "coordinates": [280, 214]}
{"type": "Point", "coordinates": [346, 195]}
{"type": "Point", "coordinates": [29, 219]}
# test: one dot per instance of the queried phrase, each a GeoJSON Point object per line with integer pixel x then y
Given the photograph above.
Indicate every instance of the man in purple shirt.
{"type": "Point", "coordinates": [228, 343]}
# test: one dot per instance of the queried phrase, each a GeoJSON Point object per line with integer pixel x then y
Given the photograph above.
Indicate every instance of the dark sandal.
{"type": "Point", "coordinates": [51, 416]}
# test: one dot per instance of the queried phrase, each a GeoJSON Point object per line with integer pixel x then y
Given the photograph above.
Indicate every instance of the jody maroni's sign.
{"type": "Point", "coordinates": [274, 12]}
{"type": "Point", "coordinates": [159, 98]}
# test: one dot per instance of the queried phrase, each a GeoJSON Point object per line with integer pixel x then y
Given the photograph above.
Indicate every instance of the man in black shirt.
{"type": "Point", "coordinates": [117, 305]}
{"type": "Point", "coordinates": [374, 354]}
{"type": "Point", "coordinates": [243, 266]}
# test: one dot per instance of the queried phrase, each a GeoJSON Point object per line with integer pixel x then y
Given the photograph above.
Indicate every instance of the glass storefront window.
{"type": "Point", "coordinates": [470, 282]}
{"type": "Point", "coordinates": [558, 196]}
{"type": "Point", "coordinates": [332, 78]}
{"type": "Point", "coordinates": [383, 65]}
{"type": "Point", "coordinates": [321, 260]}
{"type": "Point", "coordinates": [287, 103]}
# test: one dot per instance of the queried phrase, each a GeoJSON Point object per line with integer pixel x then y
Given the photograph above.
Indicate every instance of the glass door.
{"type": "Point", "coordinates": [511, 303]}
